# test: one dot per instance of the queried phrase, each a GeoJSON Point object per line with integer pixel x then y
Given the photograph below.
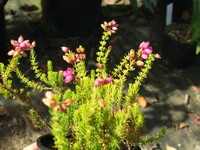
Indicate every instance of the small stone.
{"type": "Point", "coordinates": [142, 101]}
{"type": "Point", "coordinates": [179, 145]}
{"type": "Point", "coordinates": [197, 147]}
{"type": "Point", "coordinates": [170, 147]}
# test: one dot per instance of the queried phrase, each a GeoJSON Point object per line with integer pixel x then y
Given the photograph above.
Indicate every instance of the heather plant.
{"type": "Point", "coordinates": [90, 109]}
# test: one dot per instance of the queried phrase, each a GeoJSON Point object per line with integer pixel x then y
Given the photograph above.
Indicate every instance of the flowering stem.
{"type": "Point", "coordinates": [102, 55]}
{"type": "Point", "coordinates": [134, 88]}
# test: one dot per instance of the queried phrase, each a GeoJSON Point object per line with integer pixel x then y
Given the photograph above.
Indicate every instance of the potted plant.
{"type": "Point", "coordinates": [71, 18]}
{"type": "Point", "coordinates": [181, 39]}
{"type": "Point", "coordinates": [90, 109]}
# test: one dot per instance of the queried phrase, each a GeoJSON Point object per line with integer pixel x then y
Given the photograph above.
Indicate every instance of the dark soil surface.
{"type": "Point", "coordinates": [180, 32]}
{"type": "Point", "coordinates": [172, 94]}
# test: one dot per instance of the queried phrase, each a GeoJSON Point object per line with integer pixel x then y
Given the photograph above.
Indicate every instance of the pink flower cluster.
{"type": "Point", "coordinates": [20, 46]}
{"type": "Point", "coordinates": [100, 81]}
{"type": "Point", "coordinates": [68, 74]}
{"type": "Point", "coordinates": [70, 57]}
{"type": "Point", "coordinates": [146, 49]}
{"type": "Point", "coordinates": [110, 27]}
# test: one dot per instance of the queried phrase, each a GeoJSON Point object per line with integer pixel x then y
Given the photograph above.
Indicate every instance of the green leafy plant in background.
{"type": "Point", "coordinates": [123, 8]}
{"type": "Point", "coordinates": [149, 4]}
{"type": "Point", "coordinates": [90, 109]}
{"type": "Point", "coordinates": [195, 24]}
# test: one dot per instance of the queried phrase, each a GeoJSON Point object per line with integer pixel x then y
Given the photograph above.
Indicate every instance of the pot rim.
{"type": "Point", "coordinates": [41, 141]}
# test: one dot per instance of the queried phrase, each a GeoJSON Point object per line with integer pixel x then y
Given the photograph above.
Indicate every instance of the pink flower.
{"type": "Point", "coordinates": [146, 52]}
{"type": "Point", "coordinates": [100, 81]}
{"type": "Point", "coordinates": [23, 44]}
{"type": "Point", "coordinates": [20, 46]}
{"type": "Point", "coordinates": [68, 78]}
{"type": "Point", "coordinates": [68, 74]}
{"type": "Point", "coordinates": [145, 56]}
{"type": "Point", "coordinates": [20, 39]}
{"type": "Point", "coordinates": [96, 83]}
{"type": "Point", "coordinates": [69, 71]}
{"type": "Point", "coordinates": [79, 57]}
{"type": "Point", "coordinates": [113, 22]}
{"type": "Point", "coordinates": [65, 49]}
{"type": "Point", "coordinates": [99, 65]}
{"type": "Point", "coordinates": [108, 80]}
{"type": "Point", "coordinates": [146, 49]}
{"type": "Point", "coordinates": [114, 25]}
{"type": "Point", "coordinates": [144, 45]}
{"type": "Point", "coordinates": [110, 27]}
{"type": "Point", "coordinates": [33, 43]}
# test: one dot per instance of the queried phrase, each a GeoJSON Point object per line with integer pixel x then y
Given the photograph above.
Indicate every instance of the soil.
{"type": "Point", "coordinates": [172, 95]}
{"type": "Point", "coordinates": [180, 32]}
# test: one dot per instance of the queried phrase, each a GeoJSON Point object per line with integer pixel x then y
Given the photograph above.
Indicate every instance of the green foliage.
{"type": "Point", "coordinates": [195, 24]}
{"type": "Point", "coordinates": [35, 118]}
{"type": "Point", "coordinates": [124, 68]}
{"type": "Point", "coordinates": [29, 83]}
{"type": "Point", "coordinates": [59, 122]}
{"type": "Point", "coordinates": [34, 64]}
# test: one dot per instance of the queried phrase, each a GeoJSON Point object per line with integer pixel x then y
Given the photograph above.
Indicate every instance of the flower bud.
{"type": "Point", "coordinates": [108, 80]}
{"type": "Point", "coordinates": [109, 47]}
{"type": "Point", "coordinates": [33, 44]}
{"type": "Point", "coordinates": [99, 81]}
{"type": "Point", "coordinates": [66, 103]}
{"type": "Point", "coordinates": [20, 39]}
{"type": "Point", "coordinates": [132, 54]}
{"type": "Point", "coordinates": [11, 52]}
{"type": "Point", "coordinates": [80, 49]}
{"type": "Point", "coordinates": [139, 63]}
{"type": "Point", "coordinates": [157, 56]}
{"type": "Point", "coordinates": [68, 78]}
{"type": "Point", "coordinates": [99, 65]}
{"type": "Point", "coordinates": [102, 103]}
{"type": "Point", "coordinates": [144, 45]}
{"type": "Point", "coordinates": [65, 49]}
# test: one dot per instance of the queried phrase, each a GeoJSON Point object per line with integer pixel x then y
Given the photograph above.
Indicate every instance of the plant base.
{"type": "Point", "coordinates": [45, 142]}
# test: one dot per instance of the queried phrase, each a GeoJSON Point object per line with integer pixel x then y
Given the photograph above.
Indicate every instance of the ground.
{"type": "Point", "coordinates": [172, 94]}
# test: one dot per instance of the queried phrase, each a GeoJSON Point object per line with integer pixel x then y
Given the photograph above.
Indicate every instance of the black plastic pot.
{"type": "Point", "coordinates": [71, 18]}
{"type": "Point", "coordinates": [3, 53]}
{"type": "Point", "coordinates": [177, 54]}
{"type": "Point", "coordinates": [45, 142]}
{"type": "Point", "coordinates": [124, 147]}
